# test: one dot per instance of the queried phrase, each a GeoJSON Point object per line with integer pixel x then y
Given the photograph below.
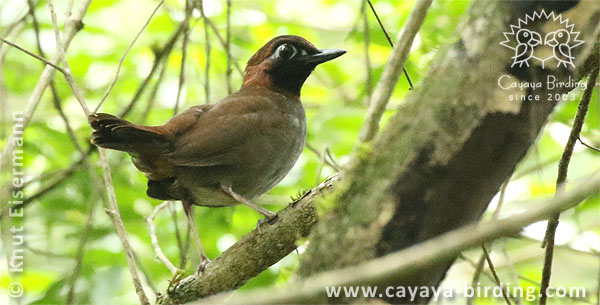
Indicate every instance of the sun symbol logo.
{"type": "Point", "coordinates": [524, 41]}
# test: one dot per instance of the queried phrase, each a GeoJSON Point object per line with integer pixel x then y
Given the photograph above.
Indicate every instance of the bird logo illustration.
{"type": "Point", "coordinates": [559, 41]}
{"type": "Point", "coordinates": [525, 42]}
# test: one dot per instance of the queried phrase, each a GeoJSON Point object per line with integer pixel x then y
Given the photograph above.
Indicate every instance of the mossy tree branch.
{"type": "Point", "coordinates": [383, 270]}
{"type": "Point", "coordinates": [255, 252]}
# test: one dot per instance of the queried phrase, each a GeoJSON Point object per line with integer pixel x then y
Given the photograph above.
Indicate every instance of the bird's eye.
{"type": "Point", "coordinates": [560, 35]}
{"type": "Point", "coordinates": [525, 34]}
{"type": "Point", "coordinates": [286, 51]}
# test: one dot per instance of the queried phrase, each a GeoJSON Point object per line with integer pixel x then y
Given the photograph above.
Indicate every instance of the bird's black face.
{"type": "Point", "coordinates": [292, 63]}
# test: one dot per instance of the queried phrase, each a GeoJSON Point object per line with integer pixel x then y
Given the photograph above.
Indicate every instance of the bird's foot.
{"type": "Point", "coordinates": [202, 267]}
{"type": "Point", "coordinates": [268, 219]}
{"type": "Point", "coordinates": [174, 282]}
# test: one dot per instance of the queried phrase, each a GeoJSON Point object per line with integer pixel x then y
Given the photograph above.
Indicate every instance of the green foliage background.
{"type": "Point", "coordinates": [335, 98]}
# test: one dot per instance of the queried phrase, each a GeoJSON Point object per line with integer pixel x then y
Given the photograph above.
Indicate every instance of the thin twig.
{"type": "Point", "coordinates": [207, 48]}
{"type": "Point", "coordinates": [537, 284]}
{"type": "Point", "coordinates": [47, 62]}
{"type": "Point", "coordinates": [47, 253]}
{"type": "Point", "coordinates": [387, 36]}
{"type": "Point", "coordinates": [159, 254]}
{"type": "Point", "coordinates": [186, 38]}
{"type": "Point", "coordinates": [482, 258]}
{"type": "Point", "coordinates": [16, 25]}
{"type": "Point", "coordinates": [224, 45]}
{"type": "Point", "coordinates": [565, 247]}
{"type": "Point", "coordinates": [389, 77]}
{"type": "Point", "coordinates": [330, 161]}
{"type": "Point", "coordinates": [96, 193]}
{"type": "Point", "coordinates": [336, 166]}
{"type": "Point", "coordinates": [154, 91]}
{"type": "Point", "coordinates": [57, 105]}
{"type": "Point", "coordinates": [43, 191]}
{"type": "Point", "coordinates": [228, 46]}
{"type": "Point", "coordinates": [476, 266]}
{"type": "Point", "coordinates": [587, 145]}
{"type": "Point", "coordinates": [55, 97]}
{"type": "Point", "coordinates": [80, 252]}
{"type": "Point", "coordinates": [496, 278]}
{"type": "Point", "coordinates": [519, 277]}
{"type": "Point", "coordinates": [63, 55]}
{"type": "Point", "coordinates": [563, 167]}
{"type": "Point", "coordinates": [114, 208]}
{"type": "Point", "coordinates": [536, 168]}
{"type": "Point", "coordinates": [59, 178]}
{"type": "Point", "coordinates": [513, 274]}
{"type": "Point", "coordinates": [479, 266]}
{"type": "Point", "coordinates": [112, 84]}
{"type": "Point", "coordinates": [69, 9]}
{"type": "Point", "coordinates": [598, 287]}
{"type": "Point", "coordinates": [15, 28]}
{"type": "Point", "coordinates": [145, 274]}
{"type": "Point", "coordinates": [327, 81]}
{"type": "Point", "coordinates": [367, 43]}
{"type": "Point", "coordinates": [501, 198]}
{"type": "Point", "coordinates": [158, 56]}
{"type": "Point", "coordinates": [476, 273]}
{"type": "Point", "coordinates": [182, 253]}
{"type": "Point", "coordinates": [322, 158]}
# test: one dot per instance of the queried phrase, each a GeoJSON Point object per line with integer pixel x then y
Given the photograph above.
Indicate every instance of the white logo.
{"type": "Point", "coordinates": [524, 41]}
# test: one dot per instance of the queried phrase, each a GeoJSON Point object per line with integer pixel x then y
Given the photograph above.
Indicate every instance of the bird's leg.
{"type": "Point", "coordinates": [269, 216]}
{"type": "Point", "coordinates": [187, 208]}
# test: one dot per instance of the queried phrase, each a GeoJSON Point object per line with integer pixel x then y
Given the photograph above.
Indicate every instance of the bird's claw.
{"type": "Point", "coordinates": [266, 220]}
{"type": "Point", "coordinates": [174, 282]}
{"type": "Point", "coordinates": [202, 266]}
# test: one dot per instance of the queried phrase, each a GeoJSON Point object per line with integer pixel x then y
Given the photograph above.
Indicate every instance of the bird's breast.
{"type": "Point", "coordinates": [265, 135]}
{"type": "Point", "coordinates": [273, 153]}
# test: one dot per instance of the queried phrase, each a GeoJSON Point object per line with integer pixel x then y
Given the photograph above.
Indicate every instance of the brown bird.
{"type": "Point", "coordinates": [230, 152]}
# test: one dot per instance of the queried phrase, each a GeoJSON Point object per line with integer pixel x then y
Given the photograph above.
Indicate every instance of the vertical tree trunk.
{"type": "Point", "coordinates": [453, 142]}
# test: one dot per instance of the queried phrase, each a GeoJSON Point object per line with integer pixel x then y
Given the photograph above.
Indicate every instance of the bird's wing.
{"type": "Point", "coordinates": [215, 135]}
{"type": "Point", "coordinates": [180, 123]}
{"type": "Point", "coordinates": [520, 51]}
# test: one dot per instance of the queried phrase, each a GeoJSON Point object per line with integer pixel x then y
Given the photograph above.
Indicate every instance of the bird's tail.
{"type": "Point", "coordinates": [116, 133]}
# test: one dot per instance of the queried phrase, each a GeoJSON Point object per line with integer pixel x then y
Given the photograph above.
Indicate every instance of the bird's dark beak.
{"type": "Point", "coordinates": [321, 57]}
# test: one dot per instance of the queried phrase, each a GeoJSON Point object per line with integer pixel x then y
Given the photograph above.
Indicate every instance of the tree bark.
{"type": "Point", "coordinates": [452, 143]}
